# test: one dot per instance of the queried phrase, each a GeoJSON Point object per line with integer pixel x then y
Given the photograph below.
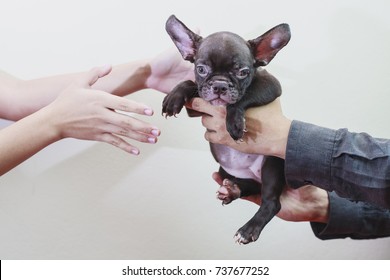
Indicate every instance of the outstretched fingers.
{"type": "Point", "coordinates": [118, 142]}
{"type": "Point", "coordinates": [126, 106]}
{"type": "Point", "coordinates": [122, 124]}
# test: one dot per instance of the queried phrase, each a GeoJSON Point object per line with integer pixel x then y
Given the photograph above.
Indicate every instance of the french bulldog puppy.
{"type": "Point", "coordinates": [228, 73]}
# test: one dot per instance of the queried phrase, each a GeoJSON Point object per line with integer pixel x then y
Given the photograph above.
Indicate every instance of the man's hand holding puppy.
{"type": "Point", "coordinates": [267, 130]}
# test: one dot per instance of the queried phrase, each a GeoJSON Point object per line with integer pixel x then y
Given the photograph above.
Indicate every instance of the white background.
{"type": "Point", "coordinates": [84, 200]}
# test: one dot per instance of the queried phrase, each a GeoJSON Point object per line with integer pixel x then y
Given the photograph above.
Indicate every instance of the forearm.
{"type": "Point", "coordinates": [20, 98]}
{"type": "Point", "coordinates": [126, 78]}
{"type": "Point", "coordinates": [356, 220]}
{"type": "Point", "coordinates": [23, 139]}
{"type": "Point", "coordinates": [354, 165]}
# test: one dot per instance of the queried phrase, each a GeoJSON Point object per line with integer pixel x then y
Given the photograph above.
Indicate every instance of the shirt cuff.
{"type": "Point", "coordinates": [344, 220]}
{"type": "Point", "coordinates": [356, 220]}
{"type": "Point", "coordinates": [309, 155]}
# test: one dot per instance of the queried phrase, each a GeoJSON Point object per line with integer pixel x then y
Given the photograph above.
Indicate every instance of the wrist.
{"type": "Point", "coordinates": [140, 74]}
{"type": "Point", "coordinates": [51, 124]}
{"type": "Point", "coordinates": [268, 130]}
{"type": "Point", "coordinates": [321, 208]}
{"type": "Point", "coordinates": [277, 147]}
{"type": "Point", "coordinates": [125, 78]}
{"type": "Point", "coordinates": [14, 148]}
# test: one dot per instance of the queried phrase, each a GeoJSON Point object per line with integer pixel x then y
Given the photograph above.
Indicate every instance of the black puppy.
{"type": "Point", "coordinates": [227, 74]}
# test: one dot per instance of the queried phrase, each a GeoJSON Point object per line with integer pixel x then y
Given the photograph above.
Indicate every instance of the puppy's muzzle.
{"type": "Point", "coordinates": [219, 92]}
{"type": "Point", "coordinates": [220, 87]}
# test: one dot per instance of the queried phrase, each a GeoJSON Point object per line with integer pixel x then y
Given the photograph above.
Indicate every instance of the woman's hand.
{"type": "Point", "coordinates": [168, 69]}
{"type": "Point", "coordinates": [84, 113]}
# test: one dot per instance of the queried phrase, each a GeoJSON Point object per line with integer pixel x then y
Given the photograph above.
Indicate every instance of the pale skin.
{"type": "Point", "coordinates": [81, 105]}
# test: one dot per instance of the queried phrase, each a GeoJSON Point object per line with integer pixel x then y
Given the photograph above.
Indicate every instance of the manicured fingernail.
{"type": "Point", "coordinates": [152, 140]}
{"type": "Point", "coordinates": [134, 151]}
{"type": "Point", "coordinates": [148, 111]}
{"type": "Point", "coordinates": [156, 132]}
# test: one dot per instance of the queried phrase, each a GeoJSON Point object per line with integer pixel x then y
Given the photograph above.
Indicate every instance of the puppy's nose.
{"type": "Point", "coordinates": [220, 87]}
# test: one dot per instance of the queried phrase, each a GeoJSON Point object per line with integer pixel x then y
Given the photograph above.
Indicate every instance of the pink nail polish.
{"type": "Point", "coordinates": [156, 132]}
{"type": "Point", "coordinates": [148, 112]}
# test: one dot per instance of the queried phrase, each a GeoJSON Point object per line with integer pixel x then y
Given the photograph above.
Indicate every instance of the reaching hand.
{"type": "Point", "coordinates": [168, 69]}
{"type": "Point", "coordinates": [83, 113]}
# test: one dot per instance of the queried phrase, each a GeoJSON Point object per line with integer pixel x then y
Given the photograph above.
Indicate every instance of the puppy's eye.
{"type": "Point", "coordinates": [243, 73]}
{"type": "Point", "coordinates": [201, 70]}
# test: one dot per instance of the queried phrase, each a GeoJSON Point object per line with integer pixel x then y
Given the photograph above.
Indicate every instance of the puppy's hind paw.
{"type": "Point", "coordinates": [228, 192]}
{"type": "Point", "coordinates": [239, 239]}
{"type": "Point", "coordinates": [248, 233]}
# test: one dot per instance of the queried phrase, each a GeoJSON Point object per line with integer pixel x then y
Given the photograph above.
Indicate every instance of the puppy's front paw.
{"type": "Point", "coordinates": [172, 105]}
{"type": "Point", "coordinates": [228, 192]}
{"type": "Point", "coordinates": [175, 100]}
{"type": "Point", "coordinates": [235, 125]}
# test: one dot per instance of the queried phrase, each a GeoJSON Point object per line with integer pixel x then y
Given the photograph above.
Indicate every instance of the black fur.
{"type": "Point", "coordinates": [229, 73]}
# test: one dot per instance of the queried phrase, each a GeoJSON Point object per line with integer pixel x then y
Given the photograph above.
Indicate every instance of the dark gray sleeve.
{"type": "Point", "coordinates": [356, 220]}
{"type": "Point", "coordinates": [354, 165]}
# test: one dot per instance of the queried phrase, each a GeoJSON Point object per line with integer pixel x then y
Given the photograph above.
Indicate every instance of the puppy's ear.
{"type": "Point", "coordinates": [266, 46]}
{"type": "Point", "coordinates": [185, 40]}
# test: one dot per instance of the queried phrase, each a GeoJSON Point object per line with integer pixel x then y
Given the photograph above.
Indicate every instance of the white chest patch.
{"type": "Point", "coordinates": [239, 164]}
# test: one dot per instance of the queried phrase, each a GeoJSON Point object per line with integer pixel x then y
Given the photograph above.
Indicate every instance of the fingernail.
{"type": "Point", "coordinates": [156, 132]}
{"type": "Point", "coordinates": [148, 111]}
{"type": "Point", "coordinates": [134, 151]}
{"type": "Point", "coordinates": [152, 140]}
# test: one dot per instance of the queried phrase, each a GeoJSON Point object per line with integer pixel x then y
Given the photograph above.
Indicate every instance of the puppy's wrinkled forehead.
{"type": "Point", "coordinates": [224, 50]}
